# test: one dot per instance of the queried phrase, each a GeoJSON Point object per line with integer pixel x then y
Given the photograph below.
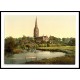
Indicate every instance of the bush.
{"type": "Point", "coordinates": [17, 50]}
{"type": "Point", "coordinates": [42, 45]}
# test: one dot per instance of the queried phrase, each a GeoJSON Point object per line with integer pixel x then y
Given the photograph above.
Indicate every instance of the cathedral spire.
{"type": "Point", "coordinates": [36, 22]}
{"type": "Point", "coordinates": [36, 30]}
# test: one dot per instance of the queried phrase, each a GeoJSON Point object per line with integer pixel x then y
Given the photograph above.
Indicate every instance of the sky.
{"type": "Point", "coordinates": [49, 25]}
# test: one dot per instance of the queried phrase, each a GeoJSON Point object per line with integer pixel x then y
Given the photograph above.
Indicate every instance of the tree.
{"type": "Point", "coordinates": [9, 44]}
{"type": "Point", "coordinates": [72, 42]}
{"type": "Point", "coordinates": [68, 41]}
{"type": "Point", "coordinates": [54, 40]}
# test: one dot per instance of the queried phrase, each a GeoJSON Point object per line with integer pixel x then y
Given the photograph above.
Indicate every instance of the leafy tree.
{"type": "Point", "coordinates": [72, 42]}
{"type": "Point", "coordinates": [68, 41]}
{"type": "Point", "coordinates": [54, 40]}
{"type": "Point", "coordinates": [9, 44]}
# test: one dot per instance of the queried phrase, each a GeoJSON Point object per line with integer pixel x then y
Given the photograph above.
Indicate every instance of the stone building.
{"type": "Point", "coordinates": [38, 38]}
{"type": "Point", "coordinates": [41, 39]}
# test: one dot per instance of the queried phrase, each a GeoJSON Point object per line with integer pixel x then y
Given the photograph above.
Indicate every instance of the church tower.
{"type": "Point", "coordinates": [36, 30]}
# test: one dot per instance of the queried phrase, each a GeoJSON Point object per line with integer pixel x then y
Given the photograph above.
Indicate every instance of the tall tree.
{"type": "Point", "coordinates": [9, 44]}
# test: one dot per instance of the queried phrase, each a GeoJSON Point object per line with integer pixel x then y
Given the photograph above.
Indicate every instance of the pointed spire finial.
{"type": "Point", "coordinates": [36, 22]}
{"type": "Point", "coordinates": [36, 18]}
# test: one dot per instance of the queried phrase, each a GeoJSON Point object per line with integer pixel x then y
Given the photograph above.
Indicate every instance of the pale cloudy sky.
{"type": "Point", "coordinates": [54, 25]}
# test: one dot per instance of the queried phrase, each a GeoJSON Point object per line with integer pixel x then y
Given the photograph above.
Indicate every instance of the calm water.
{"type": "Point", "coordinates": [31, 56]}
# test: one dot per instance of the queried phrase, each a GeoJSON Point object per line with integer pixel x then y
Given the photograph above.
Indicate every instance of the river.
{"type": "Point", "coordinates": [21, 58]}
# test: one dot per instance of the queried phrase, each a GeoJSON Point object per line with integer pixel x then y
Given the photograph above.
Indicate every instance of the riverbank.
{"type": "Point", "coordinates": [58, 60]}
{"type": "Point", "coordinates": [66, 49]}
{"type": "Point", "coordinates": [69, 58]}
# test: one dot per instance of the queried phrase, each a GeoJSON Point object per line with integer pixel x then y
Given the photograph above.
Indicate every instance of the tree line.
{"type": "Point", "coordinates": [18, 44]}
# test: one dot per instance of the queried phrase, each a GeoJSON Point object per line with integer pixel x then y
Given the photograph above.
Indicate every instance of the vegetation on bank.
{"type": "Point", "coordinates": [57, 47]}
{"type": "Point", "coordinates": [66, 49]}
{"type": "Point", "coordinates": [68, 59]}
{"type": "Point", "coordinates": [17, 45]}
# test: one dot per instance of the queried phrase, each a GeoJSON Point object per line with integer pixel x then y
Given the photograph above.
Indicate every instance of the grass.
{"type": "Point", "coordinates": [66, 49]}
{"type": "Point", "coordinates": [57, 47]}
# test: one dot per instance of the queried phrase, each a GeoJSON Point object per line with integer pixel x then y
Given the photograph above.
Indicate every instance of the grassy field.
{"type": "Point", "coordinates": [66, 49]}
{"type": "Point", "coordinates": [69, 58]}
{"type": "Point", "coordinates": [58, 47]}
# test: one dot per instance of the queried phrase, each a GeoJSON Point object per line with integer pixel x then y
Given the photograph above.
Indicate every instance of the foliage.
{"type": "Point", "coordinates": [42, 45]}
{"type": "Point", "coordinates": [29, 42]}
{"type": "Point", "coordinates": [63, 41]}
{"type": "Point", "coordinates": [17, 50]}
{"type": "Point", "coordinates": [72, 42]}
{"type": "Point", "coordinates": [68, 41]}
{"type": "Point", "coordinates": [9, 44]}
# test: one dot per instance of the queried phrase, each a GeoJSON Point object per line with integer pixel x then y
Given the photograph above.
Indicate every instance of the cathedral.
{"type": "Point", "coordinates": [38, 38]}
